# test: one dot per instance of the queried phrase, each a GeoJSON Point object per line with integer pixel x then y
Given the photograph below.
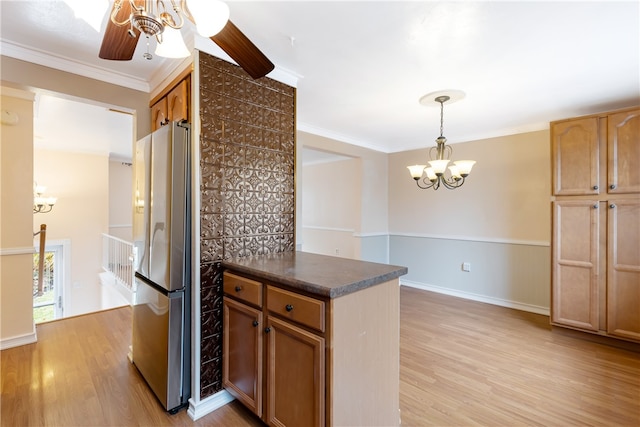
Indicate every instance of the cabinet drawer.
{"type": "Point", "coordinates": [298, 308]}
{"type": "Point", "coordinates": [242, 288]}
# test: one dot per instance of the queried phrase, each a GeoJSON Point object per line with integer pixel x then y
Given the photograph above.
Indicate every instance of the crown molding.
{"type": "Point", "coordinates": [315, 130]}
{"type": "Point", "coordinates": [69, 65]}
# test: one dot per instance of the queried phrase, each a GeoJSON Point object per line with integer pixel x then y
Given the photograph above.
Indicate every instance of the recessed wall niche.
{"type": "Point", "coordinates": [247, 163]}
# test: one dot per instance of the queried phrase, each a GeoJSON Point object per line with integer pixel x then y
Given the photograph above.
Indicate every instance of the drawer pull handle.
{"type": "Point", "coordinates": [255, 323]}
{"type": "Point", "coordinates": [288, 307]}
{"type": "Point", "coordinates": [267, 329]}
{"type": "Point", "coordinates": [238, 288]}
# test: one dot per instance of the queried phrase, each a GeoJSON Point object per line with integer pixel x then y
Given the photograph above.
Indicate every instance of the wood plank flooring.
{"type": "Point", "coordinates": [463, 363]}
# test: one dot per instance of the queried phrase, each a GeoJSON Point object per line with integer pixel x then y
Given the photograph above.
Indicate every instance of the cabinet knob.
{"type": "Point", "coordinates": [612, 186]}
{"type": "Point", "coordinates": [595, 206]}
{"type": "Point", "coordinates": [612, 205]}
{"type": "Point", "coordinates": [238, 288]}
{"type": "Point", "coordinates": [288, 307]}
{"type": "Point", "coordinates": [255, 323]}
{"type": "Point", "coordinates": [267, 329]}
{"type": "Point", "coordinates": [595, 187]}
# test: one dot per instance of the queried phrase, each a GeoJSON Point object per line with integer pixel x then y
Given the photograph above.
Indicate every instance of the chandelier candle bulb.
{"type": "Point", "coordinates": [455, 173]}
{"type": "Point", "coordinates": [172, 45]}
{"type": "Point", "coordinates": [439, 166]}
{"type": "Point", "coordinates": [431, 174]}
{"type": "Point", "coordinates": [212, 16]}
{"type": "Point", "coordinates": [464, 166]}
{"type": "Point", "coordinates": [416, 171]}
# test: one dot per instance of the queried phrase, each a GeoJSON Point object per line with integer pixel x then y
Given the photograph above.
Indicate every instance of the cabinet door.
{"type": "Point", "coordinates": [575, 152]}
{"type": "Point", "coordinates": [623, 276]}
{"type": "Point", "coordinates": [295, 375]}
{"type": "Point", "coordinates": [242, 353]}
{"type": "Point", "coordinates": [159, 114]}
{"type": "Point", "coordinates": [575, 264]}
{"type": "Point", "coordinates": [624, 152]}
{"type": "Point", "coordinates": [178, 102]}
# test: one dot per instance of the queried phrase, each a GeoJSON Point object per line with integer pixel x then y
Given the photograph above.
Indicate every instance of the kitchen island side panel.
{"type": "Point", "coordinates": [247, 164]}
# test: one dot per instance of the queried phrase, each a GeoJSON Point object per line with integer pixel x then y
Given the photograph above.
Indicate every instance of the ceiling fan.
{"type": "Point", "coordinates": [130, 18]}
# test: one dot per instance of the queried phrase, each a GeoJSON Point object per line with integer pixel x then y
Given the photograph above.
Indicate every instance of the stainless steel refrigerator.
{"type": "Point", "coordinates": [161, 338]}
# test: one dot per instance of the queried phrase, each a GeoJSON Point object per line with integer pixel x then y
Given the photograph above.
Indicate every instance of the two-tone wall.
{"type": "Point", "coordinates": [16, 221]}
{"type": "Point", "coordinates": [498, 222]}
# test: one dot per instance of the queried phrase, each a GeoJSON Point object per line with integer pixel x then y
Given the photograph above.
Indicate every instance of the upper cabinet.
{"type": "Point", "coordinates": [173, 106]}
{"type": "Point", "coordinates": [623, 137]}
{"type": "Point", "coordinates": [592, 153]}
{"type": "Point", "coordinates": [575, 155]}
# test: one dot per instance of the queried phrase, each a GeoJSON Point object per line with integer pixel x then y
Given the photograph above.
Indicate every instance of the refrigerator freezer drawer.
{"type": "Point", "coordinates": [158, 340]}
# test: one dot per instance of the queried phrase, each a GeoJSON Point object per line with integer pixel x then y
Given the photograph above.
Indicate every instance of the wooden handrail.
{"type": "Point", "coordinates": [43, 238]}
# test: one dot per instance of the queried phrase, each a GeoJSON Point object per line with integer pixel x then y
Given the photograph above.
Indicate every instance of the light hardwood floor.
{"type": "Point", "coordinates": [462, 363]}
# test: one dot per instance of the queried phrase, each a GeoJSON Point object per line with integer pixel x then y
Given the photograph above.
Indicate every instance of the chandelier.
{"type": "Point", "coordinates": [42, 204]}
{"type": "Point", "coordinates": [440, 155]}
{"type": "Point", "coordinates": [164, 19]}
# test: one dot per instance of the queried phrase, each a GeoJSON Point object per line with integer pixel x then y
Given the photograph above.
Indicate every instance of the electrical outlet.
{"type": "Point", "coordinates": [466, 266]}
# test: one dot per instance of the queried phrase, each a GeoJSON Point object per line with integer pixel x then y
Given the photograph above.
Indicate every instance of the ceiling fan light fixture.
{"type": "Point", "coordinates": [171, 44]}
{"type": "Point", "coordinates": [210, 16]}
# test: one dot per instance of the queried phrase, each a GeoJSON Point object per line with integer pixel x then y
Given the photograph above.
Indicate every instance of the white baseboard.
{"type": "Point", "coordinates": [200, 409]}
{"type": "Point", "coordinates": [475, 297]}
{"type": "Point", "coordinates": [19, 340]}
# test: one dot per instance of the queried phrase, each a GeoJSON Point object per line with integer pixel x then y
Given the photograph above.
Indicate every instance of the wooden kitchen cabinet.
{"type": "Point", "coordinates": [623, 274]}
{"type": "Point", "coordinates": [172, 106]}
{"type": "Point", "coordinates": [575, 149]}
{"type": "Point", "coordinates": [293, 356]}
{"type": "Point", "coordinates": [576, 262]}
{"type": "Point", "coordinates": [295, 375]}
{"type": "Point", "coordinates": [623, 136]}
{"type": "Point", "coordinates": [243, 348]}
{"type": "Point", "coordinates": [596, 229]}
{"type": "Point", "coordinates": [327, 359]}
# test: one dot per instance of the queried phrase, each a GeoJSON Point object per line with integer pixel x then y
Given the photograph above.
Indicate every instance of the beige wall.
{"type": "Point", "coordinates": [331, 207]}
{"type": "Point", "coordinates": [120, 200]}
{"type": "Point", "coordinates": [16, 233]}
{"type": "Point", "coordinates": [81, 215]}
{"type": "Point", "coordinates": [369, 189]}
{"type": "Point", "coordinates": [506, 197]}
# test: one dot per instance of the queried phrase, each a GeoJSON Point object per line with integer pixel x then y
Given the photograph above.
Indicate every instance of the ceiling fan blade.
{"type": "Point", "coordinates": [243, 51]}
{"type": "Point", "coordinates": [117, 45]}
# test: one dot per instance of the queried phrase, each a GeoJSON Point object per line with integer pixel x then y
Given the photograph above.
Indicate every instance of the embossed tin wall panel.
{"type": "Point", "coordinates": [247, 162]}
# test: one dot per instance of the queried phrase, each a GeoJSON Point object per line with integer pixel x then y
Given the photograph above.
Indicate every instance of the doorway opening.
{"type": "Point", "coordinates": [48, 292]}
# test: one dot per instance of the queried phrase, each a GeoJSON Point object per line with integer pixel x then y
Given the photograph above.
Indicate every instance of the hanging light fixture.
{"type": "Point", "coordinates": [433, 176]}
{"type": "Point", "coordinates": [153, 18]}
{"type": "Point", "coordinates": [41, 203]}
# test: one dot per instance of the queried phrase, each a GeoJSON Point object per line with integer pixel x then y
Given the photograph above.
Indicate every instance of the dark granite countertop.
{"type": "Point", "coordinates": [321, 275]}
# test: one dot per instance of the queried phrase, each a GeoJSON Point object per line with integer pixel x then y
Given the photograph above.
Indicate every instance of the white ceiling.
{"type": "Point", "coordinates": [363, 65]}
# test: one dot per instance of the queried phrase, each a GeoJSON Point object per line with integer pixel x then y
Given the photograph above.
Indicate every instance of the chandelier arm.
{"type": "Point", "coordinates": [114, 13]}
{"type": "Point", "coordinates": [166, 18]}
{"type": "Point", "coordinates": [427, 186]}
{"type": "Point", "coordinates": [452, 183]}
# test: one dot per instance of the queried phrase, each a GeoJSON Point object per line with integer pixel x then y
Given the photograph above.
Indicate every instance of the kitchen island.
{"type": "Point", "coordinates": [312, 339]}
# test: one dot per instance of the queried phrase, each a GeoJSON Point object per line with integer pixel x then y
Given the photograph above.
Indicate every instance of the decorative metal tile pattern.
{"type": "Point", "coordinates": [247, 162]}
